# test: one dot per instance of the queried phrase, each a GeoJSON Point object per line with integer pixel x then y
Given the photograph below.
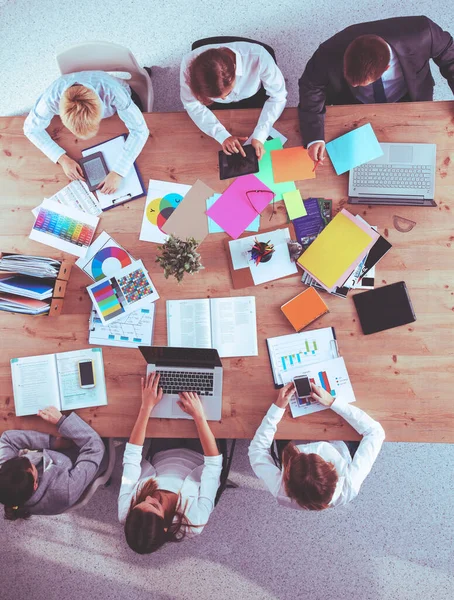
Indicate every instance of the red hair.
{"type": "Point", "coordinates": [308, 479]}
{"type": "Point", "coordinates": [366, 59]}
{"type": "Point", "coordinates": [210, 74]}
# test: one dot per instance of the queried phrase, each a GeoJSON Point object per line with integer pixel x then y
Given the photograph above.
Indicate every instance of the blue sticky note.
{"type": "Point", "coordinates": [353, 149]}
{"type": "Point", "coordinates": [215, 228]}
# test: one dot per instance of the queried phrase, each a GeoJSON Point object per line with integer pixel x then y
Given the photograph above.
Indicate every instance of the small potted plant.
{"type": "Point", "coordinates": [179, 257]}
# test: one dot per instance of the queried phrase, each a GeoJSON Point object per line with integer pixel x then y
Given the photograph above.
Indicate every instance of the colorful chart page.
{"type": "Point", "coordinates": [162, 199]}
{"type": "Point", "coordinates": [64, 227]}
{"type": "Point", "coordinates": [104, 258]}
{"type": "Point", "coordinates": [127, 290]}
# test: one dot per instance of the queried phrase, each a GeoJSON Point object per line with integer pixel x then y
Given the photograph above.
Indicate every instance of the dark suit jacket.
{"type": "Point", "coordinates": [414, 40]}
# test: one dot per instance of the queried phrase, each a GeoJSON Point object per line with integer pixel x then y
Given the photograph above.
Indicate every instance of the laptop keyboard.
{"type": "Point", "coordinates": [418, 177]}
{"type": "Point", "coordinates": [173, 382]}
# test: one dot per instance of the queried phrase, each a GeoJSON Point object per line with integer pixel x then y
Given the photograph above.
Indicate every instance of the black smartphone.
{"type": "Point", "coordinates": [303, 386]}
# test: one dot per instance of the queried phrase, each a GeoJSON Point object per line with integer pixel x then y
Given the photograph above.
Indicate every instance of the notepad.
{"type": "Point", "coordinates": [353, 149]}
{"type": "Point", "coordinates": [53, 380]}
{"type": "Point", "coordinates": [294, 205]}
{"type": "Point", "coordinates": [334, 254]}
{"type": "Point", "coordinates": [240, 204]}
{"type": "Point", "coordinates": [292, 164]}
{"type": "Point", "coordinates": [304, 308]}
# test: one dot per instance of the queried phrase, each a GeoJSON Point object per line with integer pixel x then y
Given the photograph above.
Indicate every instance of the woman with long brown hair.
{"type": "Point", "coordinates": [316, 475]}
{"type": "Point", "coordinates": [173, 496]}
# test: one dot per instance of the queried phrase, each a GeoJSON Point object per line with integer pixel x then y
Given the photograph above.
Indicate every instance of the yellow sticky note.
{"type": "Point", "coordinates": [335, 249]}
{"type": "Point", "coordinates": [294, 204]}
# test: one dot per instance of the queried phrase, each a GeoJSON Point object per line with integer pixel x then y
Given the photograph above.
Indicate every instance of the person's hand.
{"type": "Point", "coordinates": [50, 414]}
{"type": "Point", "coordinates": [110, 183]}
{"type": "Point", "coordinates": [321, 395]}
{"type": "Point", "coordinates": [191, 404]}
{"type": "Point", "coordinates": [151, 393]}
{"type": "Point", "coordinates": [232, 145]}
{"type": "Point", "coordinates": [71, 168]}
{"type": "Point", "coordinates": [285, 394]}
{"type": "Point", "coordinates": [259, 148]}
{"type": "Point", "coordinates": [317, 152]}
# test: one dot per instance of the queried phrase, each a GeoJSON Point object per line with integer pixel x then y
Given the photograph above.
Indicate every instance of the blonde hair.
{"type": "Point", "coordinates": [81, 111]}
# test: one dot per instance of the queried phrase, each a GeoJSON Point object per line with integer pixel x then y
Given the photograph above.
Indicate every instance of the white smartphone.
{"type": "Point", "coordinates": [87, 377]}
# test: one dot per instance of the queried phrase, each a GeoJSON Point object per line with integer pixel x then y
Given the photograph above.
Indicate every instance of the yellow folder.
{"type": "Point", "coordinates": [337, 247]}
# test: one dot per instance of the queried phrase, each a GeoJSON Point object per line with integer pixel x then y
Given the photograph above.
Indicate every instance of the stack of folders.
{"type": "Point", "coordinates": [27, 283]}
{"type": "Point", "coordinates": [342, 254]}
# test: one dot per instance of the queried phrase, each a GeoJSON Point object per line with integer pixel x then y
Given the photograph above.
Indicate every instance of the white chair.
{"type": "Point", "coordinates": [113, 58]}
{"type": "Point", "coordinates": [103, 479]}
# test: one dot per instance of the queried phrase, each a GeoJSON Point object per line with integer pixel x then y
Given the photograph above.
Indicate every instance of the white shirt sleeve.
{"type": "Point", "coordinates": [209, 484]}
{"type": "Point", "coordinates": [131, 116]}
{"type": "Point", "coordinates": [131, 475]}
{"type": "Point", "coordinates": [314, 142]}
{"type": "Point", "coordinates": [274, 83]}
{"type": "Point", "coordinates": [38, 121]}
{"type": "Point", "coordinates": [259, 450]}
{"type": "Point", "coordinates": [367, 452]}
{"type": "Point", "coordinates": [204, 118]}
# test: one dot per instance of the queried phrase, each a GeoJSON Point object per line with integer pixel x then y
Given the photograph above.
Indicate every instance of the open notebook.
{"type": "Point", "coordinates": [226, 324]}
{"type": "Point", "coordinates": [53, 380]}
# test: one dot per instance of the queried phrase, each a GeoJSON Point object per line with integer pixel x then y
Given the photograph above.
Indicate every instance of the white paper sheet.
{"type": "Point", "coordinates": [35, 384]}
{"type": "Point", "coordinates": [189, 323]}
{"type": "Point", "coordinates": [73, 396]}
{"type": "Point", "coordinates": [280, 264]}
{"type": "Point", "coordinates": [234, 326]}
{"type": "Point", "coordinates": [131, 331]}
{"type": "Point", "coordinates": [110, 265]}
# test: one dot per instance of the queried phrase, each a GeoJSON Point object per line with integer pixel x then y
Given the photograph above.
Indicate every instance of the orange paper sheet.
{"type": "Point", "coordinates": [292, 164]}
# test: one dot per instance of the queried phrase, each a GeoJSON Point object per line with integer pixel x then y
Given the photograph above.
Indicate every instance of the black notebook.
{"type": "Point", "coordinates": [236, 164]}
{"type": "Point", "coordinates": [384, 308]}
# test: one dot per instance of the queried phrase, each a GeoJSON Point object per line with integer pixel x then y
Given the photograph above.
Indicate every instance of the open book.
{"type": "Point", "coordinates": [53, 380]}
{"type": "Point", "coordinates": [227, 324]}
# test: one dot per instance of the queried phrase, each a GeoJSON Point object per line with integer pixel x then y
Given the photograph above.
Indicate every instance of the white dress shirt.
{"type": "Point", "coordinates": [393, 83]}
{"type": "Point", "coordinates": [351, 473]}
{"type": "Point", "coordinates": [254, 66]}
{"type": "Point", "coordinates": [194, 477]}
{"type": "Point", "coordinates": [115, 97]}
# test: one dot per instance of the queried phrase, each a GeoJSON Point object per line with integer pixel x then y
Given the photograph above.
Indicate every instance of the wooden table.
{"type": "Point", "coordinates": [403, 377]}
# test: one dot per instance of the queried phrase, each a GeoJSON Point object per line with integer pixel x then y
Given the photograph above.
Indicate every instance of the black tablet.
{"type": "Point", "coordinates": [236, 164]}
{"type": "Point", "coordinates": [384, 308]}
{"type": "Point", "coordinates": [94, 168]}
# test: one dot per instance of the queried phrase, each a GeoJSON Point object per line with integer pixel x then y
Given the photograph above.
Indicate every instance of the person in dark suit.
{"type": "Point", "coordinates": [380, 61]}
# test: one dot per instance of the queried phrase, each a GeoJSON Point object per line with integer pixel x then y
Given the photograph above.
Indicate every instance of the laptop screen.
{"type": "Point", "coordinates": [164, 356]}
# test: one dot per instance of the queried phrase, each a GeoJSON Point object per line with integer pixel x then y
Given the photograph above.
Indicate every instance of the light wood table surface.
{"type": "Point", "coordinates": [402, 377]}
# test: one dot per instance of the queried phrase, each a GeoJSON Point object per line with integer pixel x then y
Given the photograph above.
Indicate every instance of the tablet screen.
{"type": "Point", "coordinates": [236, 165]}
{"type": "Point", "coordinates": [94, 169]}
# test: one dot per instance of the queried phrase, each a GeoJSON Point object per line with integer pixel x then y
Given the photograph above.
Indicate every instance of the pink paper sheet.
{"type": "Point", "coordinates": [233, 211]}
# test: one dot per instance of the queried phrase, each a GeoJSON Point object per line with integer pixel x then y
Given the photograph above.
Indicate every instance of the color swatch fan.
{"type": "Point", "coordinates": [104, 258]}
{"type": "Point", "coordinates": [129, 289]}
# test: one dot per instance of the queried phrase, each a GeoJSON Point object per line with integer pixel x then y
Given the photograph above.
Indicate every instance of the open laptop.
{"type": "Point", "coordinates": [186, 370]}
{"type": "Point", "coordinates": [403, 176]}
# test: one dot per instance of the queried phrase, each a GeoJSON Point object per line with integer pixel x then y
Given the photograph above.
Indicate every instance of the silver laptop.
{"type": "Point", "coordinates": [186, 370]}
{"type": "Point", "coordinates": [403, 175]}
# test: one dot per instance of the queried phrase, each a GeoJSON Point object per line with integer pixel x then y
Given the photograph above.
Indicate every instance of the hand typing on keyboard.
{"type": "Point", "coordinates": [191, 404]}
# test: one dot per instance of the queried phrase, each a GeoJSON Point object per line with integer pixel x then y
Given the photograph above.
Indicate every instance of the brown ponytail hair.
{"type": "Point", "coordinates": [210, 74]}
{"type": "Point", "coordinates": [145, 531]}
{"type": "Point", "coordinates": [17, 485]}
{"type": "Point", "coordinates": [308, 479]}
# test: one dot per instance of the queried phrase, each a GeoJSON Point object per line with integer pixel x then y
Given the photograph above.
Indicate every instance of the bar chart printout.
{"type": "Point", "coordinates": [289, 352]}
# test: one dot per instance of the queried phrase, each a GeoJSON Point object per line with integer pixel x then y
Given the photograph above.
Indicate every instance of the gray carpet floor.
{"type": "Point", "coordinates": [395, 541]}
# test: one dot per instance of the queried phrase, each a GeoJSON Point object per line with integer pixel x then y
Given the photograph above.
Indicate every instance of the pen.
{"type": "Point", "coordinates": [317, 162]}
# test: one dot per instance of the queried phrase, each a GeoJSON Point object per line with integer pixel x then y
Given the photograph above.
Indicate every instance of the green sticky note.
{"type": "Point", "coordinates": [294, 204]}
{"type": "Point", "coordinates": [265, 173]}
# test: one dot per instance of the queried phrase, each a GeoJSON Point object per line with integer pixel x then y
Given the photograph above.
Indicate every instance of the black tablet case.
{"type": "Point", "coordinates": [384, 308]}
{"type": "Point", "coordinates": [236, 164]}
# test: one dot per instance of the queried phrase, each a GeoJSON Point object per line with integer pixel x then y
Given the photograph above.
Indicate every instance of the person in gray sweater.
{"type": "Point", "coordinates": [37, 475]}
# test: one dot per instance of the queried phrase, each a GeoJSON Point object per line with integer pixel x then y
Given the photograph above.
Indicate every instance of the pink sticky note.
{"type": "Point", "coordinates": [233, 211]}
